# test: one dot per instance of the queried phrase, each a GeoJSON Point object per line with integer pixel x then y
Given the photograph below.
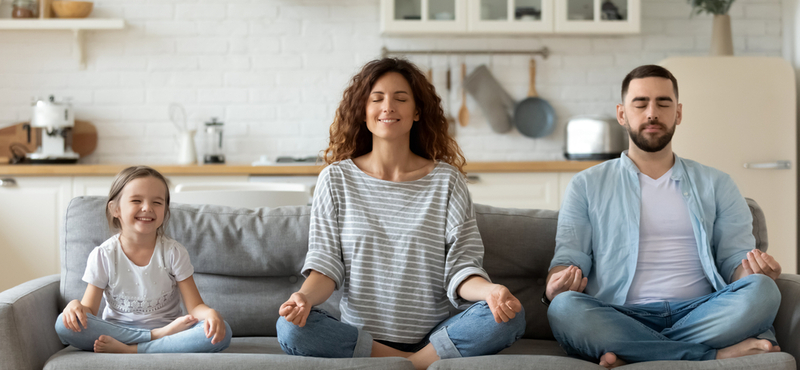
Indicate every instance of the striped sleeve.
{"type": "Point", "coordinates": [464, 245]}
{"type": "Point", "coordinates": [324, 245]}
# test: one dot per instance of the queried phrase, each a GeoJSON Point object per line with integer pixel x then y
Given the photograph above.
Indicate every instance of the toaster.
{"type": "Point", "coordinates": [595, 138]}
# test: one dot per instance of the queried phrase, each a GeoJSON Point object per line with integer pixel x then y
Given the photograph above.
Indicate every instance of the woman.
{"type": "Point", "coordinates": [392, 224]}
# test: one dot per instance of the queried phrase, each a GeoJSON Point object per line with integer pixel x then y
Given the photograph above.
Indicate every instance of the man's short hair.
{"type": "Point", "coordinates": [649, 70]}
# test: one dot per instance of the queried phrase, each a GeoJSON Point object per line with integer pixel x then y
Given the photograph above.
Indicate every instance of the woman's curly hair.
{"type": "Point", "coordinates": [350, 138]}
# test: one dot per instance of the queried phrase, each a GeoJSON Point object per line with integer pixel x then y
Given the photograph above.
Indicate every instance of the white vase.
{"type": "Point", "coordinates": [721, 38]}
{"type": "Point", "coordinates": [186, 151]}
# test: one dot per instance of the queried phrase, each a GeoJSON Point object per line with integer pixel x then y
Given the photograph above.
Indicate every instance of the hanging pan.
{"type": "Point", "coordinates": [534, 116]}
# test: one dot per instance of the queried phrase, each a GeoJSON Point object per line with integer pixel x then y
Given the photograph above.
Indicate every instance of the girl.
{"type": "Point", "coordinates": [392, 224]}
{"type": "Point", "coordinates": [138, 271]}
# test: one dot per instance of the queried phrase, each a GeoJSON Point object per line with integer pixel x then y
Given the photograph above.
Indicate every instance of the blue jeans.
{"type": "Point", "coordinates": [686, 330]}
{"type": "Point", "coordinates": [470, 333]}
{"type": "Point", "coordinates": [190, 340]}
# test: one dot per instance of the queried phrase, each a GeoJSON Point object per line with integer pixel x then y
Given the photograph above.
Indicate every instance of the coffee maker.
{"type": "Point", "coordinates": [54, 122]}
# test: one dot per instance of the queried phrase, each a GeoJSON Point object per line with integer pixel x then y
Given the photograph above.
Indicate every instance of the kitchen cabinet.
{"type": "Point", "coordinates": [31, 217]}
{"type": "Point", "coordinates": [415, 17]}
{"type": "Point", "coordinates": [510, 16]}
{"type": "Point", "coordinates": [423, 16]}
{"type": "Point", "coordinates": [519, 190]}
{"type": "Point", "coordinates": [598, 16]}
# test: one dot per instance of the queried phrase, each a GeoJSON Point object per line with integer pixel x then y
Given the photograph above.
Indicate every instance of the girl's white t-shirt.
{"type": "Point", "coordinates": [145, 297]}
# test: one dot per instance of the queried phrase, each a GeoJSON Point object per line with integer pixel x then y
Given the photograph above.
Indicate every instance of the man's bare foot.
{"type": "Point", "coordinates": [180, 324]}
{"type": "Point", "coordinates": [609, 360]}
{"type": "Point", "coordinates": [106, 344]}
{"type": "Point", "coordinates": [747, 347]}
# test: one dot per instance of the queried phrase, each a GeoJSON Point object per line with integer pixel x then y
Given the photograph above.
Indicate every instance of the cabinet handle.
{"type": "Point", "coordinates": [8, 182]}
{"type": "Point", "coordinates": [473, 178]}
{"type": "Point", "coordinates": [778, 165]}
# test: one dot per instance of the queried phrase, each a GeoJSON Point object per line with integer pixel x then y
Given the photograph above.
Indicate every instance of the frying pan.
{"type": "Point", "coordinates": [534, 116]}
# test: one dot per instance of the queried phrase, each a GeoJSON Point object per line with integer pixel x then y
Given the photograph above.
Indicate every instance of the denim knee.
{"type": "Point", "coordinates": [73, 338]}
{"type": "Point", "coordinates": [226, 342]}
{"type": "Point", "coordinates": [567, 313]}
{"type": "Point", "coordinates": [765, 298]}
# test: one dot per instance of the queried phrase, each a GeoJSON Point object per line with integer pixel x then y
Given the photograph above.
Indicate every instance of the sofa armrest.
{"type": "Point", "coordinates": [787, 323]}
{"type": "Point", "coordinates": [27, 324]}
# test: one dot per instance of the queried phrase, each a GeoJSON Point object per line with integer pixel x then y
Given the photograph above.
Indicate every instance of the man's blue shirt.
{"type": "Point", "coordinates": [598, 224]}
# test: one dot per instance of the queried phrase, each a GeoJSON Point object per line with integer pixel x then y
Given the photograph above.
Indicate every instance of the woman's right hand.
{"type": "Point", "coordinates": [296, 309]}
{"type": "Point", "coordinates": [75, 315]}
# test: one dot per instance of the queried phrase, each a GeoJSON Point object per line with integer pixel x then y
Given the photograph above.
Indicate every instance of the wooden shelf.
{"type": "Point", "coordinates": [77, 26]}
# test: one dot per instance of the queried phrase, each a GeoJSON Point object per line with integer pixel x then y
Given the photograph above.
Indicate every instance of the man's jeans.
{"type": "Point", "coordinates": [188, 341]}
{"type": "Point", "coordinates": [686, 330]}
{"type": "Point", "coordinates": [470, 333]}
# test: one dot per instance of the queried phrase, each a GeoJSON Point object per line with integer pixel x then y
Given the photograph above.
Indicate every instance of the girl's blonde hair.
{"type": "Point", "coordinates": [123, 178]}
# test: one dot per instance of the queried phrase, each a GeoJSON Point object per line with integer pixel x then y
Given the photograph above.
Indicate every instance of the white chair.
{"type": "Point", "coordinates": [242, 194]}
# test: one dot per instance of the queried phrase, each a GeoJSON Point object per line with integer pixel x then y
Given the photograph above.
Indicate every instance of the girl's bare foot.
{"type": "Point", "coordinates": [106, 344]}
{"type": "Point", "coordinates": [180, 324]}
{"type": "Point", "coordinates": [609, 360]}
{"type": "Point", "coordinates": [747, 347]}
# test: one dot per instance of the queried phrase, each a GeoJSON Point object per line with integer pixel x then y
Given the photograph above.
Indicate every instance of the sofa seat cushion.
{"type": "Point", "coordinates": [243, 353]}
{"type": "Point", "coordinates": [769, 361]}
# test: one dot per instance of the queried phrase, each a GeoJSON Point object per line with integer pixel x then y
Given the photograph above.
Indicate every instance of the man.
{"type": "Point", "coordinates": [666, 246]}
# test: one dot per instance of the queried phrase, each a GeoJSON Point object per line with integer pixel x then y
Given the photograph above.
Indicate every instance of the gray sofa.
{"type": "Point", "coordinates": [247, 263]}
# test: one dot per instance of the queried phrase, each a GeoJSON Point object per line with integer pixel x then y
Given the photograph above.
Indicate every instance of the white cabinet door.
{"type": "Point", "coordinates": [423, 16]}
{"type": "Point", "coordinates": [598, 16]}
{"type": "Point", "coordinates": [31, 220]}
{"type": "Point", "coordinates": [91, 185]}
{"type": "Point", "coordinates": [510, 16]}
{"type": "Point", "coordinates": [515, 190]}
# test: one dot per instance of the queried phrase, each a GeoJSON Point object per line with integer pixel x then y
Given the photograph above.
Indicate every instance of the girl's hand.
{"type": "Point", "coordinates": [503, 304]}
{"type": "Point", "coordinates": [75, 316]}
{"type": "Point", "coordinates": [296, 309]}
{"type": "Point", "coordinates": [214, 327]}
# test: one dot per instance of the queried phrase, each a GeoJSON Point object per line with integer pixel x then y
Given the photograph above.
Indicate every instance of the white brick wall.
{"type": "Point", "coordinates": [274, 71]}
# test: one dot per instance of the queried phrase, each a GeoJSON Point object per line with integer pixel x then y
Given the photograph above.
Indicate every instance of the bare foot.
{"type": "Point", "coordinates": [609, 360]}
{"type": "Point", "coordinates": [106, 344]}
{"type": "Point", "coordinates": [180, 324]}
{"type": "Point", "coordinates": [747, 347]}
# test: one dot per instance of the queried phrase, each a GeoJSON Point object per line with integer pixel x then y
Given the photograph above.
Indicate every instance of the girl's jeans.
{"type": "Point", "coordinates": [470, 333]}
{"type": "Point", "coordinates": [190, 340]}
{"type": "Point", "coordinates": [686, 330]}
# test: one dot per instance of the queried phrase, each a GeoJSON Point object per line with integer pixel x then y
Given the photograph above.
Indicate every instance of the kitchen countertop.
{"type": "Point", "coordinates": [239, 170]}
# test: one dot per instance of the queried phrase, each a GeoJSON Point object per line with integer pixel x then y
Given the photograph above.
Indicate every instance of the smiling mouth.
{"type": "Point", "coordinates": [388, 120]}
{"type": "Point", "coordinates": [145, 219]}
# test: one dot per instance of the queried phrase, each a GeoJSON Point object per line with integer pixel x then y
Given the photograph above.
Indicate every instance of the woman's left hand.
{"type": "Point", "coordinates": [503, 304]}
{"type": "Point", "coordinates": [214, 327]}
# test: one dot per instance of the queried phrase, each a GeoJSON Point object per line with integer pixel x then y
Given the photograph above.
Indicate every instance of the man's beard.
{"type": "Point", "coordinates": [653, 144]}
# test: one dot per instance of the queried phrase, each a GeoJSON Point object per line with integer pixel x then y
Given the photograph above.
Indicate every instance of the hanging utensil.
{"type": "Point", "coordinates": [463, 113]}
{"type": "Point", "coordinates": [451, 121]}
{"type": "Point", "coordinates": [534, 117]}
{"type": "Point", "coordinates": [178, 117]}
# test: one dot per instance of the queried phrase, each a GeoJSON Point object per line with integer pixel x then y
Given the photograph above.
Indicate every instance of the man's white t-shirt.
{"type": "Point", "coordinates": [145, 297]}
{"type": "Point", "coordinates": [668, 267]}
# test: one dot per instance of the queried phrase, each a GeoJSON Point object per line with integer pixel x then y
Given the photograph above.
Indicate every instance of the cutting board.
{"type": "Point", "coordinates": [84, 139]}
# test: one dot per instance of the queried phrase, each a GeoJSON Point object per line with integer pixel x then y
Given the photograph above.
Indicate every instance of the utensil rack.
{"type": "Point", "coordinates": [544, 52]}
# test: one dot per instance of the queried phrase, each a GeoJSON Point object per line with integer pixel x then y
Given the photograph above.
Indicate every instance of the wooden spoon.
{"type": "Point", "coordinates": [463, 113]}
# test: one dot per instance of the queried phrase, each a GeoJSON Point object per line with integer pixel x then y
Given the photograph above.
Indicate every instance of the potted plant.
{"type": "Point", "coordinates": [721, 39]}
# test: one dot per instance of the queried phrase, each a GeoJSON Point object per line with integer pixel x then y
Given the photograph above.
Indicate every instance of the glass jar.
{"type": "Point", "coordinates": [214, 151]}
{"type": "Point", "coordinates": [23, 9]}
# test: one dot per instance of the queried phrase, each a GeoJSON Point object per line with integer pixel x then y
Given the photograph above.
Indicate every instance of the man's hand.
{"type": "Point", "coordinates": [759, 262]}
{"type": "Point", "coordinates": [502, 303]}
{"type": "Point", "coordinates": [296, 309]}
{"type": "Point", "coordinates": [570, 278]}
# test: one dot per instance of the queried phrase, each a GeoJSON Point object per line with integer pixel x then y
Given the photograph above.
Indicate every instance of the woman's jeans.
{"type": "Point", "coordinates": [686, 330]}
{"type": "Point", "coordinates": [190, 340]}
{"type": "Point", "coordinates": [470, 333]}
